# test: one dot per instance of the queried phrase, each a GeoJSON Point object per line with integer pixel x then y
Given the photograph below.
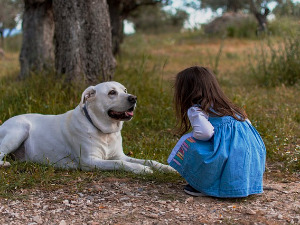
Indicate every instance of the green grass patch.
{"type": "Point", "coordinates": [24, 175]}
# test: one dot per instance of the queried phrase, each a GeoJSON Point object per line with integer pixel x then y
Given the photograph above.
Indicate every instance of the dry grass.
{"type": "Point", "coordinates": [9, 64]}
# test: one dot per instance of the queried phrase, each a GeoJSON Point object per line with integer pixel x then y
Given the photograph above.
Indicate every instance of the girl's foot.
{"type": "Point", "coordinates": [192, 191]}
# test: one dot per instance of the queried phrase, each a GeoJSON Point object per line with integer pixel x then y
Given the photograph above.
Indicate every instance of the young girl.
{"type": "Point", "coordinates": [223, 156]}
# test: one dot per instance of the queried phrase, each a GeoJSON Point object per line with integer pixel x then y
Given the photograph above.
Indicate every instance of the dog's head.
{"type": "Point", "coordinates": [108, 105]}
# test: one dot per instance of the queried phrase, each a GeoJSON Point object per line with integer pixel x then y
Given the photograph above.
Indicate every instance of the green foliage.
{"type": "Point", "coordinates": [239, 25]}
{"type": "Point", "coordinates": [287, 8]}
{"type": "Point", "coordinates": [153, 19]}
{"type": "Point", "coordinates": [9, 11]}
{"type": "Point", "coordinates": [245, 28]}
{"type": "Point", "coordinates": [278, 63]}
{"type": "Point", "coordinates": [284, 26]}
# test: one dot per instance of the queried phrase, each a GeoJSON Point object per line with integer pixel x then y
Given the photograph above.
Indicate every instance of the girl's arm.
{"type": "Point", "coordinates": [202, 128]}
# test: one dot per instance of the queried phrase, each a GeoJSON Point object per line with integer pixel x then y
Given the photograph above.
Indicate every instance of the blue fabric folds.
{"type": "Point", "coordinates": [230, 164]}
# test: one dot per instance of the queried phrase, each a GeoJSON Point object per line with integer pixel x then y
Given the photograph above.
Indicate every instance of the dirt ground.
{"type": "Point", "coordinates": [129, 201]}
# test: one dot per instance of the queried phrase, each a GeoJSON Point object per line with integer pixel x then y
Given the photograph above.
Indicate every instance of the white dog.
{"type": "Point", "coordinates": [87, 137]}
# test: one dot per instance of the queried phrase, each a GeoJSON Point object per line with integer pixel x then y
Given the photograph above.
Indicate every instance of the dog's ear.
{"type": "Point", "coordinates": [88, 94]}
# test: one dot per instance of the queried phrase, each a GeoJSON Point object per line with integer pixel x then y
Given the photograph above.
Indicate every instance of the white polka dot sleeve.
{"type": "Point", "coordinates": [202, 128]}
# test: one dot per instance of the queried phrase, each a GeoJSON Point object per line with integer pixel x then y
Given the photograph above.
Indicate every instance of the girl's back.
{"type": "Point", "coordinates": [232, 162]}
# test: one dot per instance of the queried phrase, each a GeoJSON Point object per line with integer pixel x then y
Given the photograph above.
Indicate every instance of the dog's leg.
{"type": "Point", "coordinates": [151, 163]}
{"type": "Point", "coordinates": [114, 165]}
{"type": "Point", "coordinates": [10, 140]}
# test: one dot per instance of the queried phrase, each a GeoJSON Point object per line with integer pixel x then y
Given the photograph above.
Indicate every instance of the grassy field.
{"type": "Point", "coordinates": [147, 67]}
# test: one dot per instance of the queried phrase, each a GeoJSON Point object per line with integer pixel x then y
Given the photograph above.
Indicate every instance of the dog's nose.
{"type": "Point", "coordinates": [132, 99]}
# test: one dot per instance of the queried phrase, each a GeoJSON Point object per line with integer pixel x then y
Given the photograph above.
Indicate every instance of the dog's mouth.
{"type": "Point", "coordinates": [126, 115]}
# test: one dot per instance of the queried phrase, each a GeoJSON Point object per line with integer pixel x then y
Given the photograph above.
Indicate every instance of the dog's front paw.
{"type": "Point", "coordinates": [166, 168]}
{"type": "Point", "coordinates": [4, 164]}
{"type": "Point", "coordinates": [142, 170]}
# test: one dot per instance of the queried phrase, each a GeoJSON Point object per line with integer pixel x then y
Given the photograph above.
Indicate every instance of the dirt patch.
{"type": "Point", "coordinates": [127, 201]}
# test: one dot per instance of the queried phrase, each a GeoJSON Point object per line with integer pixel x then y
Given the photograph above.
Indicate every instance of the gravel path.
{"type": "Point", "coordinates": [128, 201]}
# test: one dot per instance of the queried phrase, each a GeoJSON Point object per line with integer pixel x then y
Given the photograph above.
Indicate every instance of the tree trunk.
{"type": "Point", "coordinates": [261, 18]}
{"type": "Point", "coordinates": [83, 40]}
{"type": "Point", "coordinates": [37, 51]}
{"type": "Point", "coordinates": [2, 38]}
{"type": "Point", "coordinates": [116, 21]}
{"type": "Point", "coordinates": [233, 5]}
{"type": "Point", "coordinates": [120, 10]}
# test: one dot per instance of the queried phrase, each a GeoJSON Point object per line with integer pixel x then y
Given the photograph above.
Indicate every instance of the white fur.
{"type": "Point", "coordinates": [69, 140]}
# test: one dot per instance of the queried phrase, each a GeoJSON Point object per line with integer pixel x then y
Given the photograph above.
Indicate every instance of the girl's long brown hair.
{"type": "Point", "coordinates": [198, 85]}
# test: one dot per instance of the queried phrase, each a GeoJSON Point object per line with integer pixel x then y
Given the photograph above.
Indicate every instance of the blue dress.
{"type": "Point", "coordinates": [230, 164]}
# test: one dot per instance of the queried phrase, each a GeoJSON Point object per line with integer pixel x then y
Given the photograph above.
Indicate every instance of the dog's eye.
{"type": "Point", "coordinates": [125, 90]}
{"type": "Point", "coordinates": [112, 92]}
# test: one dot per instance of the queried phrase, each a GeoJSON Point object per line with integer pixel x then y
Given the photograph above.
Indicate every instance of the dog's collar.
{"type": "Point", "coordinates": [86, 113]}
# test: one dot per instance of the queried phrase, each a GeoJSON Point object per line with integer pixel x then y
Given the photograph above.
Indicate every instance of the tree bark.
{"type": "Point", "coordinates": [118, 11]}
{"type": "Point", "coordinates": [2, 38]}
{"type": "Point", "coordinates": [37, 51]}
{"type": "Point", "coordinates": [116, 21]}
{"type": "Point", "coordinates": [261, 18]}
{"type": "Point", "coordinates": [83, 40]}
{"type": "Point", "coordinates": [233, 5]}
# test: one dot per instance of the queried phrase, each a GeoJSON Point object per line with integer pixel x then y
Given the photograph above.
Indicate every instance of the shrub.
{"type": "Point", "coordinates": [245, 28]}
{"type": "Point", "coordinates": [284, 26]}
{"type": "Point", "coordinates": [278, 63]}
{"type": "Point", "coordinates": [237, 25]}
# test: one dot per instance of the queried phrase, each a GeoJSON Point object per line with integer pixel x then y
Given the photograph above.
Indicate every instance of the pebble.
{"type": "Point", "coordinates": [37, 219]}
{"type": "Point", "coordinates": [64, 207]}
{"type": "Point", "coordinates": [66, 202]}
{"type": "Point", "coordinates": [153, 216]}
{"type": "Point", "coordinates": [280, 217]}
{"type": "Point", "coordinates": [250, 212]}
{"type": "Point", "coordinates": [62, 222]}
{"type": "Point", "coordinates": [188, 200]}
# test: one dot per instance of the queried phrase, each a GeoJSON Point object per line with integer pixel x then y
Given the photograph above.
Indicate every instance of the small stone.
{"type": "Point", "coordinates": [93, 223]}
{"type": "Point", "coordinates": [37, 219]}
{"type": "Point", "coordinates": [66, 202]}
{"type": "Point", "coordinates": [162, 202]}
{"type": "Point", "coordinates": [188, 200]}
{"type": "Point", "coordinates": [170, 207]}
{"type": "Point", "coordinates": [280, 217]}
{"type": "Point", "coordinates": [62, 222]}
{"type": "Point", "coordinates": [250, 212]}
{"type": "Point", "coordinates": [4, 164]}
{"type": "Point", "coordinates": [153, 216]}
{"type": "Point", "coordinates": [88, 202]}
